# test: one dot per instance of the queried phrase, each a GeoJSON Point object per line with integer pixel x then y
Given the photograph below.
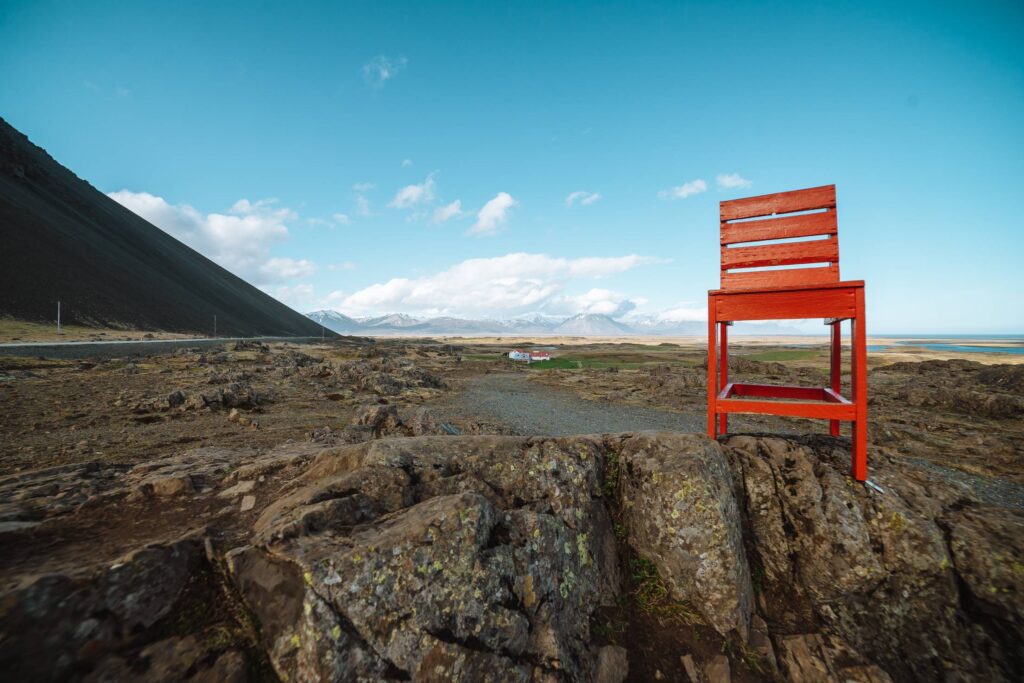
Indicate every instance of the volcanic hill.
{"type": "Point", "coordinates": [61, 238]}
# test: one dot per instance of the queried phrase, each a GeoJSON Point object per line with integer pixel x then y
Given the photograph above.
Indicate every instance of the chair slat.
{"type": "Point", "coordinates": [823, 197]}
{"type": "Point", "coordinates": [803, 225]}
{"type": "Point", "coordinates": [763, 279]}
{"type": "Point", "coordinates": [786, 254]}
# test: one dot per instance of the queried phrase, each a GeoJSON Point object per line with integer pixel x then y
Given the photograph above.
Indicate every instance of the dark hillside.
{"type": "Point", "coordinates": [61, 238]}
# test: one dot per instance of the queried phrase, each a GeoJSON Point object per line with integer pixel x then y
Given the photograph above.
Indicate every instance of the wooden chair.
{"type": "Point", "coordinates": [756, 238]}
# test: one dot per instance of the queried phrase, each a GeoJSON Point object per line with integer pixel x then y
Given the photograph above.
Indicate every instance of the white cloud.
{"type": "Point", "coordinates": [380, 70]}
{"type": "Point", "coordinates": [443, 213]}
{"type": "Point", "coordinates": [584, 198]}
{"type": "Point", "coordinates": [411, 195]}
{"type": "Point", "coordinates": [599, 301]}
{"type": "Point", "coordinates": [685, 190]}
{"type": "Point", "coordinates": [728, 181]}
{"type": "Point", "coordinates": [493, 216]}
{"type": "Point", "coordinates": [334, 298]}
{"type": "Point", "coordinates": [683, 312]}
{"type": "Point", "coordinates": [503, 285]}
{"type": "Point", "coordinates": [298, 297]}
{"type": "Point", "coordinates": [363, 187]}
{"type": "Point", "coordinates": [278, 269]}
{"type": "Point", "coordinates": [362, 205]}
{"type": "Point", "coordinates": [342, 219]}
{"type": "Point", "coordinates": [406, 163]}
{"type": "Point", "coordinates": [238, 240]}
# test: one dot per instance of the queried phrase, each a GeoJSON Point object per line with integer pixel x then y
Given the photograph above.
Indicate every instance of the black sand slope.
{"type": "Point", "coordinates": [61, 238]}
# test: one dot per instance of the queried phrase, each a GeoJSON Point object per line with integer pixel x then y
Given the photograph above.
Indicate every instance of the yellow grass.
{"type": "Point", "coordinates": [21, 331]}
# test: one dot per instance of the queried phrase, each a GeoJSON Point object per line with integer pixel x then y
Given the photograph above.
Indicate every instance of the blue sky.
{"type": "Point", "coordinates": [319, 151]}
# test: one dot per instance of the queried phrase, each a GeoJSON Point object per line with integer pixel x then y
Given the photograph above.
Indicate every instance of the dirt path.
{"type": "Point", "coordinates": [530, 408]}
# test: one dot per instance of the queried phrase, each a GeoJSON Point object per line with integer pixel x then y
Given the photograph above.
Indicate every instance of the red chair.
{"type": "Point", "coordinates": [756, 238]}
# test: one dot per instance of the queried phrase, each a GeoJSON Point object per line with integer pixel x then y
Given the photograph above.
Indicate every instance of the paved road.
{"type": "Point", "coordinates": [534, 409]}
{"type": "Point", "coordinates": [135, 347]}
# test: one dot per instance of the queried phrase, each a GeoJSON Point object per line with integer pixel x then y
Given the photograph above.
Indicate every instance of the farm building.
{"type": "Point", "coordinates": [529, 356]}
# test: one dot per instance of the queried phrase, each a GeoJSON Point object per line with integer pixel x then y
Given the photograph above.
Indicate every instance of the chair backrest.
{"type": "Point", "coordinates": [752, 250]}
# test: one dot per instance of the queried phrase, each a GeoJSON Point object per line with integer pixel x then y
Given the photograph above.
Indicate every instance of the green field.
{"type": "Point", "coordinates": [783, 355]}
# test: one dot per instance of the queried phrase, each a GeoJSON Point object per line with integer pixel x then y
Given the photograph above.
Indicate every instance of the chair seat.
{"type": "Point", "coordinates": [811, 402]}
{"type": "Point", "coordinates": [787, 288]}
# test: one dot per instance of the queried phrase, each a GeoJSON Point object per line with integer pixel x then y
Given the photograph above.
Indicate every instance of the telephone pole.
{"type": "Point", "coordinates": [215, 326]}
{"type": "Point", "coordinates": [58, 316]}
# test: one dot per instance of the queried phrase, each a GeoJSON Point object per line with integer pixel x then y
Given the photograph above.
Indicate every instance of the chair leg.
{"type": "Point", "coordinates": [860, 392]}
{"type": "Point", "coordinates": [723, 372]}
{"type": "Point", "coordinates": [836, 369]}
{"type": "Point", "coordinates": [712, 370]}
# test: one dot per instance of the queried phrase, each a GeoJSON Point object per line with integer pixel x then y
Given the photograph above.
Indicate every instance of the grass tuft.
{"type": "Point", "coordinates": [652, 596]}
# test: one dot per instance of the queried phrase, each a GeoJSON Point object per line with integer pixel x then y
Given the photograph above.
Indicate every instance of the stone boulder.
{"type": "Point", "coordinates": [74, 622]}
{"type": "Point", "coordinates": [477, 558]}
{"type": "Point", "coordinates": [918, 576]}
{"type": "Point", "coordinates": [679, 511]}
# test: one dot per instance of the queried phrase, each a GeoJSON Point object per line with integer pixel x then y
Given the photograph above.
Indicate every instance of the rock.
{"type": "Point", "coordinates": [717, 670]}
{"type": "Point", "coordinates": [679, 512]}
{"type": "Point", "coordinates": [238, 489]}
{"type": "Point", "coordinates": [612, 664]}
{"type": "Point", "coordinates": [229, 667]}
{"type": "Point", "coordinates": [803, 659]}
{"type": "Point", "coordinates": [871, 673]}
{"type": "Point", "coordinates": [64, 622]}
{"type": "Point", "coordinates": [987, 549]}
{"type": "Point", "coordinates": [690, 668]}
{"type": "Point", "coordinates": [171, 485]}
{"type": "Point", "coordinates": [902, 575]}
{"type": "Point", "coordinates": [379, 419]}
{"type": "Point", "coordinates": [234, 415]}
{"type": "Point", "coordinates": [248, 503]}
{"type": "Point", "coordinates": [466, 558]}
{"type": "Point", "coordinates": [761, 644]}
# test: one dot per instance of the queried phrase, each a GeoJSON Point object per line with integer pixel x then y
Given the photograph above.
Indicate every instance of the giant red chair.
{"type": "Point", "coordinates": [758, 282]}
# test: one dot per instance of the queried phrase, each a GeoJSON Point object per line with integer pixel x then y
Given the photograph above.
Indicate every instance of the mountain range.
{"type": "Point", "coordinates": [582, 325]}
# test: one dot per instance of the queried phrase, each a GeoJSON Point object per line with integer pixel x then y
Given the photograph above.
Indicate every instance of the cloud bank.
{"type": "Point", "coordinates": [238, 240]}
{"type": "Point", "coordinates": [507, 285]}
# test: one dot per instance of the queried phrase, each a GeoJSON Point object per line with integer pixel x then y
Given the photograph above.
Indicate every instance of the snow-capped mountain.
{"type": "Point", "coordinates": [338, 322]}
{"type": "Point", "coordinates": [582, 325]}
{"type": "Point", "coordinates": [592, 325]}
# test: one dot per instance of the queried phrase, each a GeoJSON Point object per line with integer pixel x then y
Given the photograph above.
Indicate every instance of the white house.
{"type": "Point", "coordinates": [529, 356]}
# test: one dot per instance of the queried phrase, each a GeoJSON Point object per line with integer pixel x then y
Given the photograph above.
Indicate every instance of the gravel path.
{"type": "Point", "coordinates": [533, 409]}
{"type": "Point", "coordinates": [536, 410]}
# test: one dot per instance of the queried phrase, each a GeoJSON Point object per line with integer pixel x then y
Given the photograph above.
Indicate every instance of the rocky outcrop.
{"type": "Point", "coordinates": [679, 512]}
{"type": "Point", "coordinates": [962, 386]}
{"type": "Point", "coordinates": [444, 557]}
{"type": "Point", "coordinates": [478, 558]}
{"type": "Point", "coordinates": [125, 621]}
{"type": "Point", "coordinates": [880, 568]}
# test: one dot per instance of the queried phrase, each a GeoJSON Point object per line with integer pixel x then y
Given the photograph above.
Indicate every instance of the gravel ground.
{"type": "Point", "coordinates": [533, 409]}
